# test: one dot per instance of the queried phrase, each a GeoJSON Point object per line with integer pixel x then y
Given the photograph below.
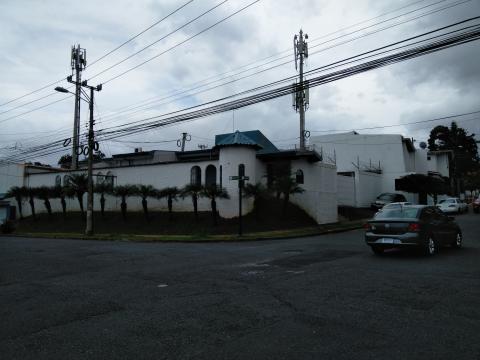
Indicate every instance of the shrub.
{"type": "Point", "coordinates": [7, 227]}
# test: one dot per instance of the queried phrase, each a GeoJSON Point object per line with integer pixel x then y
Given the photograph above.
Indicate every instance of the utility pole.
{"type": "Point", "coordinates": [78, 62]}
{"type": "Point", "coordinates": [181, 142]}
{"type": "Point", "coordinates": [91, 145]}
{"type": "Point", "coordinates": [301, 96]}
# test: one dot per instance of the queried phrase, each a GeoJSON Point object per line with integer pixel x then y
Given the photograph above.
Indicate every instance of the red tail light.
{"type": "Point", "coordinates": [367, 227]}
{"type": "Point", "coordinates": [414, 227]}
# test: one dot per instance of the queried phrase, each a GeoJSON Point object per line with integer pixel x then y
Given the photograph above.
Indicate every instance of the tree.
{"type": "Point", "coordinates": [257, 191]}
{"type": "Point", "coordinates": [194, 191]}
{"type": "Point", "coordinates": [145, 191]}
{"type": "Point", "coordinates": [79, 186]}
{"type": "Point", "coordinates": [18, 193]}
{"type": "Point", "coordinates": [287, 186]}
{"type": "Point", "coordinates": [31, 193]}
{"type": "Point", "coordinates": [171, 193]}
{"type": "Point", "coordinates": [65, 161]}
{"type": "Point", "coordinates": [45, 193]}
{"type": "Point", "coordinates": [102, 189]}
{"type": "Point", "coordinates": [124, 191]}
{"type": "Point", "coordinates": [420, 183]}
{"type": "Point", "coordinates": [462, 145]}
{"type": "Point", "coordinates": [61, 192]}
{"type": "Point", "coordinates": [214, 192]}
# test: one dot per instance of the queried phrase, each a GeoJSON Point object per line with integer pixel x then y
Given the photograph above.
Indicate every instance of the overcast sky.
{"type": "Point", "coordinates": [37, 37]}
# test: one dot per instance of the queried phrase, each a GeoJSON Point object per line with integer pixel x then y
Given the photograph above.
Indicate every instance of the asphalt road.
{"type": "Point", "coordinates": [323, 297]}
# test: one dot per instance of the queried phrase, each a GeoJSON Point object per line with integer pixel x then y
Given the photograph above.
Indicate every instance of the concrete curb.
{"type": "Point", "coordinates": [186, 238]}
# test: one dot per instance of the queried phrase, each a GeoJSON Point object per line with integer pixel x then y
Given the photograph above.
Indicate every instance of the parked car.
{"type": "Point", "coordinates": [453, 205]}
{"type": "Point", "coordinates": [387, 198]}
{"type": "Point", "coordinates": [396, 205]}
{"type": "Point", "coordinates": [476, 205]}
{"type": "Point", "coordinates": [412, 226]}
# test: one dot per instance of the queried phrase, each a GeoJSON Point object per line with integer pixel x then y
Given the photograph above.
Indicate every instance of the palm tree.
{"type": "Point", "coordinates": [257, 191]}
{"type": "Point", "coordinates": [61, 192]}
{"type": "Point", "coordinates": [124, 191]}
{"type": "Point", "coordinates": [194, 191]}
{"type": "Point", "coordinates": [102, 189]}
{"type": "Point", "coordinates": [171, 193]}
{"type": "Point", "coordinates": [287, 186]}
{"type": "Point", "coordinates": [45, 193]}
{"type": "Point", "coordinates": [18, 193]}
{"type": "Point", "coordinates": [214, 192]}
{"type": "Point", "coordinates": [79, 186]}
{"type": "Point", "coordinates": [31, 193]}
{"type": "Point", "coordinates": [144, 191]}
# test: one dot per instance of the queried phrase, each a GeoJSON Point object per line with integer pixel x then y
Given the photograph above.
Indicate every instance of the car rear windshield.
{"type": "Point", "coordinates": [386, 197]}
{"type": "Point", "coordinates": [404, 212]}
{"type": "Point", "coordinates": [447, 201]}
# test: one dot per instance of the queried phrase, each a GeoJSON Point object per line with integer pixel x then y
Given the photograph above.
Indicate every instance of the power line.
{"type": "Point", "coordinates": [141, 32]}
{"type": "Point", "coordinates": [395, 125]}
{"type": "Point", "coordinates": [320, 69]}
{"type": "Point", "coordinates": [102, 57]}
{"type": "Point", "coordinates": [178, 116]}
{"type": "Point", "coordinates": [158, 40]}
{"type": "Point", "coordinates": [181, 43]}
{"type": "Point", "coordinates": [403, 14]}
{"type": "Point", "coordinates": [176, 98]}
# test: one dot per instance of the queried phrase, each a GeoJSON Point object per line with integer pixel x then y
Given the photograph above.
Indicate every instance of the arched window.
{"type": "Point", "coordinates": [58, 180]}
{"type": "Point", "coordinates": [196, 176]}
{"type": "Point", "coordinates": [109, 179]}
{"type": "Point", "coordinates": [66, 180]}
{"type": "Point", "coordinates": [210, 175]}
{"type": "Point", "coordinates": [299, 176]}
{"type": "Point", "coordinates": [100, 178]}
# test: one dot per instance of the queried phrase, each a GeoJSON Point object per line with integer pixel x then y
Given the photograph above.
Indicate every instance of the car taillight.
{"type": "Point", "coordinates": [367, 227]}
{"type": "Point", "coordinates": [413, 227]}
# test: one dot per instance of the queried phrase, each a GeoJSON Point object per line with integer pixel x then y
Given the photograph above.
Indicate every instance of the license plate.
{"type": "Point", "coordinates": [386, 241]}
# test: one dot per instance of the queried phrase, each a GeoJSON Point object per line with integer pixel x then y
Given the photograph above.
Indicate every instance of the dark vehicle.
{"type": "Point", "coordinates": [412, 226]}
{"type": "Point", "coordinates": [476, 205]}
{"type": "Point", "coordinates": [387, 198]}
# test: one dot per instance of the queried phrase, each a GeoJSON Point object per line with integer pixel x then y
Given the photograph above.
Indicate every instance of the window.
{"type": "Point", "coordinates": [58, 180]}
{"type": "Point", "coordinates": [210, 175]}
{"type": "Point", "coordinates": [100, 178]}
{"type": "Point", "coordinates": [196, 176]}
{"type": "Point", "coordinates": [299, 176]}
{"type": "Point", "coordinates": [241, 170]}
{"type": "Point", "coordinates": [221, 182]}
{"type": "Point", "coordinates": [109, 179]}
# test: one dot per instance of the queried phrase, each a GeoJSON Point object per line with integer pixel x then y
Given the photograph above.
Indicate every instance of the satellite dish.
{"type": "Point", "coordinates": [423, 145]}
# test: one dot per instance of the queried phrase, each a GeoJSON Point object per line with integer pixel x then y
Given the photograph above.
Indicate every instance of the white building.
{"type": "Point", "coordinates": [259, 157]}
{"type": "Point", "coordinates": [368, 165]}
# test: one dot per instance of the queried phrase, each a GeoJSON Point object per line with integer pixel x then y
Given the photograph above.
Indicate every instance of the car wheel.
{"type": "Point", "coordinates": [431, 246]}
{"type": "Point", "coordinates": [458, 241]}
{"type": "Point", "coordinates": [476, 211]}
{"type": "Point", "coordinates": [377, 250]}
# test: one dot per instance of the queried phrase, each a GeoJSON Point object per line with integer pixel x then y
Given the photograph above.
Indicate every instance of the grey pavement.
{"type": "Point", "coordinates": [324, 297]}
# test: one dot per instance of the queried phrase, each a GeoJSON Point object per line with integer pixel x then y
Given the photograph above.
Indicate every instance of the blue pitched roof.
{"type": "Point", "coordinates": [252, 138]}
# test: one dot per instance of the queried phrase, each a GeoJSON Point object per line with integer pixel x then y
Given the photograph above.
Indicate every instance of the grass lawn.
{"type": "Point", "coordinates": [270, 218]}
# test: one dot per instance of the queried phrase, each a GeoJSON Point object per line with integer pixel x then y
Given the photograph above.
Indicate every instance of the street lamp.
{"type": "Point", "coordinates": [89, 226]}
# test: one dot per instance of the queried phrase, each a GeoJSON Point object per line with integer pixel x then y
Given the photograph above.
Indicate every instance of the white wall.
{"type": "Point", "coordinates": [369, 186]}
{"type": "Point", "coordinates": [10, 175]}
{"type": "Point", "coordinates": [320, 197]}
{"type": "Point", "coordinates": [229, 159]}
{"type": "Point", "coordinates": [346, 190]}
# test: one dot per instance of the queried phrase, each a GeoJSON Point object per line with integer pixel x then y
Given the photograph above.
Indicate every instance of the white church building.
{"type": "Point", "coordinates": [260, 158]}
